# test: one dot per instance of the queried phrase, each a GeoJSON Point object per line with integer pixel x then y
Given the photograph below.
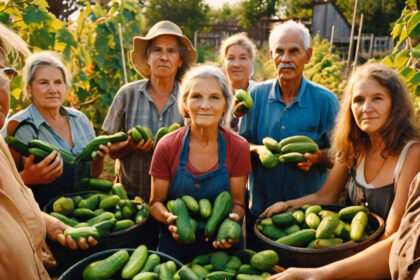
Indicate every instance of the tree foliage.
{"type": "Point", "coordinates": [90, 48]}
{"type": "Point", "coordinates": [190, 15]}
{"type": "Point", "coordinates": [253, 10]}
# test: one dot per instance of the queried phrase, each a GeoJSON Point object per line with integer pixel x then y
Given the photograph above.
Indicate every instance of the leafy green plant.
{"type": "Point", "coordinates": [406, 60]}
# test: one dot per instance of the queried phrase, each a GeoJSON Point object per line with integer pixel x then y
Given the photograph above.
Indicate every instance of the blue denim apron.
{"type": "Point", "coordinates": [205, 186]}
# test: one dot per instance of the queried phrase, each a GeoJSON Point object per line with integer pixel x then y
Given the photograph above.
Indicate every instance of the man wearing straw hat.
{"type": "Point", "coordinates": [161, 57]}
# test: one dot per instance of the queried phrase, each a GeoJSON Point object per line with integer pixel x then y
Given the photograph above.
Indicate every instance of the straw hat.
{"type": "Point", "coordinates": [138, 54]}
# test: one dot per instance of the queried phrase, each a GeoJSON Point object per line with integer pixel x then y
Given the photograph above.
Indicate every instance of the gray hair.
{"type": "Point", "coordinates": [205, 71]}
{"type": "Point", "coordinates": [41, 59]}
{"type": "Point", "coordinates": [290, 26]}
{"type": "Point", "coordinates": [242, 40]}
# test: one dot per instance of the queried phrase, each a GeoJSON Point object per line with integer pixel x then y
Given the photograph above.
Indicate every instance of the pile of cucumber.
{"type": "Point", "coordinates": [242, 265]}
{"type": "Point", "coordinates": [39, 148]}
{"type": "Point", "coordinates": [139, 133]}
{"type": "Point", "coordinates": [193, 217]}
{"type": "Point", "coordinates": [290, 149]}
{"type": "Point", "coordinates": [315, 228]}
{"type": "Point", "coordinates": [140, 265]}
{"type": "Point", "coordinates": [98, 214]}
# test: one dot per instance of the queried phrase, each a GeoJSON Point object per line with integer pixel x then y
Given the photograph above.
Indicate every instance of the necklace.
{"type": "Point", "coordinates": [377, 172]}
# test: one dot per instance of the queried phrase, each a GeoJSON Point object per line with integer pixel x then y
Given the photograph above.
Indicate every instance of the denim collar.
{"type": "Point", "coordinates": [300, 99]}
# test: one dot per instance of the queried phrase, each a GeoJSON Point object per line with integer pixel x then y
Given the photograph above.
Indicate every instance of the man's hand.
{"type": "Point", "coordinates": [142, 147]}
{"type": "Point", "coordinates": [44, 172]}
{"type": "Point", "coordinates": [240, 108]}
{"type": "Point", "coordinates": [312, 159]}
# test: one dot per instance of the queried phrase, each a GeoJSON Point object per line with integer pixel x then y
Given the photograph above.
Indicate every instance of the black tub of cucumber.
{"type": "Point", "coordinates": [128, 237]}
{"type": "Point", "coordinates": [76, 270]}
{"type": "Point", "coordinates": [308, 257]}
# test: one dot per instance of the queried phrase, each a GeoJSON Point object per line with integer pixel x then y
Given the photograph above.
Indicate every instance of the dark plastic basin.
{"type": "Point", "coordinates": [75, 271]}
{"type": "Point", "coordinates": [130, 237]}
{"type": "Point", "coordinates": [303, 257]}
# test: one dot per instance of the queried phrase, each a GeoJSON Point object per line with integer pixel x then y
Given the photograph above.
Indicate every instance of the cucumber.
{"type": "Point", "coordinates": [146, 276]}
{"type": "Point", "coordinates": [159, 134]}
{"type": "Point", "coordinates": [135, 263]}
{"type": "Point", "coordinates": [219, 260]}
{"type": "Point", "coordinates": [265, 260]}
{"type": "Point", "coordinates": [291, 229]}
{"type": "Point", "coordinates": [221, 209]}
{"type": "Point", "coordinates": [295, 139]}
{"type": "Point", "coordinates": [109, 202]}
{"type": "Point", "coordinates": [202, 259]}
{"type": "Point", "coordinates": [83, 213]}
{"type": "Point", "coordinates": [283, 219]}
{"type": "Point", "coordinates": [244, 255]}
{"type": "Point", "coordinates": [64, 219]}
{"type": "Point", "coordinates": [347, 213]}
{"type": "Point", "coordinates": [145, 132]}
{"type": "Point", "coordinates": [187, 273]}
{"type": "Point", "coordinates": [143, 213]}
{"type": "Point", "coordinates": [324, 213]}
{"type": "Point", "coordinates": [271, 144]}
{"type": "Point", "coordinates": [93, 145]}
{"type": "Point", "coordinates": [299, 238]}
{"type": "Point", "coordinates": [292, 157]}
{"type": "Point", "coordinates": [327, 226]}
{"type": "Point", "coordinates": [152, 261]}
{"type": "Point", "coordinates": [173, 127]}
{"type": "Point", "coordinates": [193, 224]}
{"type": "Point", "coordinates": [299, 216]}
{"type": "Point", "coordinates": [191, 204]}
{"type": "Point", "coordinates": [312, 220]}
{"type": "Point", "coordinates": [170, 205]}
{"type": "Point", "coordinates": [136, 135]}
{"type": "Point", "coordinates": [199, 270]}
{"type": "Point", "coordinates": [119, 190]}
{"type": "Point", "coordinates": [100, 218]}
{"type": "Point", "coordinates": [85, 232]}
{"type": "Point", "coordinates": [248, 269]}
{"type": "Point", "coordinates": [17, 145]}
{"type": "Point", "coordinates": [164, 272]}
{"type": "Point", "coordinates": [186, 234]}
{"type": "Point", "coordinates": [300, 148]}
{"type": "Point", "coordinates": [205, 208]}
{"type": "Point", "coordinates": [64, 206]}
{"type": "Point", "coordinates": [123, 224]}
{"type": "Point", "coordinates": [244, 97]}
{"type": "Point", "coordinates": [220, 275]}
{"type": "Point", "coordinates": [268, 160]}
{"type": "Point", "coordinates": [106, 268]}
{"type": "Point", "coordinates": [233, 263]}
{"type": "Point", "coordinates": [248, 277]}
{"type": "Point", "coordinates": [326, 243]}
{"type": "Point", "coordinates": [229, 229]}
{"type": "Point", "coordinates": [49, 148]}
{"type": "Point", "coordinates": [272, 232]}
{"type": "Point", "coordinates": [105, 227]}
{"type": "Point", "coordinates": [97, 184]}
{"type": "Point", "coordinates": [358, 225]}
{"type": "Point", "coordinates": [38, 153]}
{"type": "Point", "coordinates": [313, 209]}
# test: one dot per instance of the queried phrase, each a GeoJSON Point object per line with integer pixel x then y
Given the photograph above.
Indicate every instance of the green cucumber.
{"type": "Point", "coordinates": [295, 139]}
{"type": "Point", "coordinates": [106, 268]}
{"type": "Point", "coordinates": [221, 209]}
{"type": "Point", "coordinates": [135, 262]}
{"type": "Point", "coordinates": [17, 145]}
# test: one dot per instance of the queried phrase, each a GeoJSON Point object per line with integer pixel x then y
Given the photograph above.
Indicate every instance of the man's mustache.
{"type": "Point", "coordinates": [285, 65]}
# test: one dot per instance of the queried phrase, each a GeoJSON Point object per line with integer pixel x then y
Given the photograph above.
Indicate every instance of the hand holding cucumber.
{"type": "Point", "coordinates": [226, 244]}
{"type": "Point", "coordinates": [44, 172]}
{"type": "Point", "coordinates": [171, 218]}
{"type": "Point", "coordinates": [311, 159]}
{"type": "Point", "coordinates": [102, 151]}
{"type": "Point", "coordinates": [142, 147]}
{"type": "Point", "coordinates": [240, 108]}
{"type": "Point", "coordinates": [277, 207]}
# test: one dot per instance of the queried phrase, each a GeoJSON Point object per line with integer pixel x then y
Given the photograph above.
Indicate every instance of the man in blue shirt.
{"type": "Point", "coordinates": [286, 106]}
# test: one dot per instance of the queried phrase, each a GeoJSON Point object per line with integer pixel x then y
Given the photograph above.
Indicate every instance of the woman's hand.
{"type": "Point", "coordinates": [44, 172]}
{"type": "Point", "coordinates": [55, 231]}
{"type": "Point", "coordinates": [277, 207]}
{"type": "Point", "coordinates": [171, 218]}
{"type": "Point", "coordinates": [299, 274]}
{"type": "Point", "coordinates": [226, 244]}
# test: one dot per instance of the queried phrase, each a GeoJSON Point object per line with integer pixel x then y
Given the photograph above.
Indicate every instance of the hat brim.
{"type": "Point", "coordinates": [138, 54]}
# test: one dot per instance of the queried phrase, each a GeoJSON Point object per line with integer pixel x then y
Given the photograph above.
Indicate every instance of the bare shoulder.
{"type": "Point", "coordinates": [413, 153]}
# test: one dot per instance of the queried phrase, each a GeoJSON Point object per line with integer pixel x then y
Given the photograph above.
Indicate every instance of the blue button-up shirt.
{"type": "Point", "coordinates": [312, 113]}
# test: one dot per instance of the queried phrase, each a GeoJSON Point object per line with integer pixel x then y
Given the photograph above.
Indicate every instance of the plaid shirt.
{"type": "Point", "coordinates": [132, 106]}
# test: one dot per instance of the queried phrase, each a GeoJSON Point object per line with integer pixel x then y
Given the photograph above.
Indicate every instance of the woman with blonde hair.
{"type": "Point", "coordinates": [376, 140]}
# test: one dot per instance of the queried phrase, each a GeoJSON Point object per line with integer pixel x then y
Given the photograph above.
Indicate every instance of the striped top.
{"type": "Point", "coordinates": [132, 105]}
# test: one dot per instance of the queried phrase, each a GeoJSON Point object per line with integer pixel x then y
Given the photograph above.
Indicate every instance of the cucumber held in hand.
{"type": "Point", "coordinates": [18, 145]}
{"type": "Point", "coordinates": [244, 97]}
{"type": "Point", "coordinates": [268, 160]}
{"type": "Point", "coordinates": [271, 144]}
{"type": "Point", "coordinates": [36, 143]}
{"type": "Point", "coordinates": [101, 140]}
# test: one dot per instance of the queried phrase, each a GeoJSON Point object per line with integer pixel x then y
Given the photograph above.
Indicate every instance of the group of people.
{"type": "Point", "coordinates": [371, 141]}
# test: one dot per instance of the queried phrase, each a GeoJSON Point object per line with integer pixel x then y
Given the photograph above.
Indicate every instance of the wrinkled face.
{"type": "Point", "coordinates": [4, 99]}
{"type": "Point", "coordinates": [48, 89]}
{"type": "Point", "coordinates": [237, 64]}
{"type": "Point", "coordinates": [371, 105]}
{"type": "Point", "coordinates": [164, 57]}
{"type": "Point", "coordinates": [289, 56]}
{"type": "Point", "coordinates": [205, 103]}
